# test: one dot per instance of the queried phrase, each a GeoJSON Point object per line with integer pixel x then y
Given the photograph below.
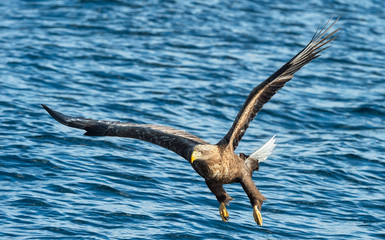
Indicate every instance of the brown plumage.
{"type": "Point", "coordinates": [217, 164]}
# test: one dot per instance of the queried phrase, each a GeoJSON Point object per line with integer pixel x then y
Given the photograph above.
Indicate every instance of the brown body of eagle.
{"type": "Point", "coordinates": [216, 163]}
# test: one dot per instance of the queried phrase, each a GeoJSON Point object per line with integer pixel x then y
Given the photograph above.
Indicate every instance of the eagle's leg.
{"type": "Point", "coordinates": [222, 197]}
{"type": "Point", "coordinates": [256, 198]}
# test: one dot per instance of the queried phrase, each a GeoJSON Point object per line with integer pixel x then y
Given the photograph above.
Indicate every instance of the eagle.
{"type": "Point", "coordinates": [217, 163]}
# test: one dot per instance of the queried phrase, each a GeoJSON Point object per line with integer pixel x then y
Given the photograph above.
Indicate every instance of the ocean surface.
{"type": "Point", "coordinates": [190, 65]}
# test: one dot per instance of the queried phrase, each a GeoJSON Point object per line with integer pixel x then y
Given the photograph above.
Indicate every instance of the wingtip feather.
{"type": "Point", "coordinates": [56, 115]}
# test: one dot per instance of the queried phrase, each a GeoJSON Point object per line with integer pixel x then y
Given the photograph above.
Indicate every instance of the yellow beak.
{"type": "Point", "coordinates": [193, 157]}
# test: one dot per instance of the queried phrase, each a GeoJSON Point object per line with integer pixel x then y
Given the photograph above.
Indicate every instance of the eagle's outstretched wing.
{"type": "Point", "coordinates": [175, 140]}
{"type": "Point", "coordinates": [264, 91]}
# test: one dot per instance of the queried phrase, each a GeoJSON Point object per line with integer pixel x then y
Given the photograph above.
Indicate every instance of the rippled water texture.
{"type": "Point", "coordinates": [190, 65]}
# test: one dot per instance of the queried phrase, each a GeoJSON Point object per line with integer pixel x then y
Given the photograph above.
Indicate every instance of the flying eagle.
{"type": "Point", "coordinates": [216, 163]}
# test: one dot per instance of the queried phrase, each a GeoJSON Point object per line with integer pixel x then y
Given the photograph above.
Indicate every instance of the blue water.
{"type": "Point", "coordinates": [190, 65]}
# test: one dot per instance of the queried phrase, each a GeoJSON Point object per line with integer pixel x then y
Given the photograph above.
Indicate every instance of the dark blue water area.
{"type": "Point", "coordinates": [189, 65]}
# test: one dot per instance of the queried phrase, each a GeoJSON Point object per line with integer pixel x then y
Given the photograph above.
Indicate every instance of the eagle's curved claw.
{"type": "Point", "coordinates": [257, 215]}
{"type": "Point", "coordinates": [223, 212]}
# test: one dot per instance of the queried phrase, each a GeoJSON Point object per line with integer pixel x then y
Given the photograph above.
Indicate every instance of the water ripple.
{"type": "Point", "coordinates": [188, 64]}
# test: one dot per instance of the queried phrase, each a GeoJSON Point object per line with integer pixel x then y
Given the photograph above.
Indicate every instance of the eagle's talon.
{"type": "Point", "coordinates": [223, 212]}
{"type": "Point", "coordinates": [257, 215]}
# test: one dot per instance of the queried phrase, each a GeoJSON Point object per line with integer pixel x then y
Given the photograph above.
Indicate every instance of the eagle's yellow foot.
{"type": "Point", "coordinates": [223, 212]}
{"type": "Point", "coordinates": [257, 216]}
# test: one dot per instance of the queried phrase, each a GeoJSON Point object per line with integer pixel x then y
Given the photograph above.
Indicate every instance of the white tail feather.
{"type": "Point", "coordinates": [263, 152]}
